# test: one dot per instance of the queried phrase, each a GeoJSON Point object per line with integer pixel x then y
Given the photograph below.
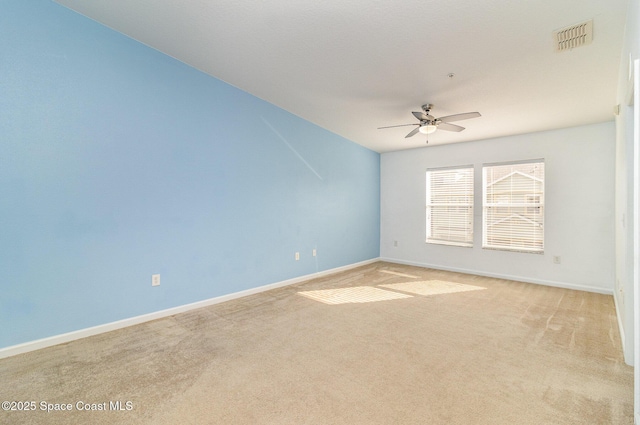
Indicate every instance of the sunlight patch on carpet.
{"type": "Point", "coordinates": [398, 274]}
{"type": "Point", "coordinates": [356, 294]}
{"type": "Point", "coordinates": [431, 287]}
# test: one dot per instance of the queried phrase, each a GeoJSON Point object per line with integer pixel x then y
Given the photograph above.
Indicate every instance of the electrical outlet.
{"type": "Point", "coordinates": [395, 244]}
{"type": "Point", "coordinates": [557, 259]}
{"type": "Point", "coordinates": [155, 280]}
{"type": "Point", "coordinates": [297, 256]}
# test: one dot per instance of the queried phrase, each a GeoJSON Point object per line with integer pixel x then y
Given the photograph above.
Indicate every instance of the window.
{"type": "Point", "coordinates": [535, 200]}
{"type": "Point", "coordinates": [513, 206]}
{"type": "Point", "coordinates": [450, 206]}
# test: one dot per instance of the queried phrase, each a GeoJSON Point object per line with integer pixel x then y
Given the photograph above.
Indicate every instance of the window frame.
{"type": "Point", "coordinates": [533, 212]}
{"type": "Point", "coordinates": [430, 238]}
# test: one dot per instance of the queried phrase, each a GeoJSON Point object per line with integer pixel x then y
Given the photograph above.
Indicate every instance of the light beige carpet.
{"type": "Point", "coordinates": [380, 344]}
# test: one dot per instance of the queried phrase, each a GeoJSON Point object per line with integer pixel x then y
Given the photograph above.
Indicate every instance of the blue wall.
{"type": "Point", "coordinates": [117, 162]}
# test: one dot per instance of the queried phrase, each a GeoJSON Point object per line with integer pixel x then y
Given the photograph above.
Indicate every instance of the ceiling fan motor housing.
{"type": "Point", "coordinates": [429, 124]}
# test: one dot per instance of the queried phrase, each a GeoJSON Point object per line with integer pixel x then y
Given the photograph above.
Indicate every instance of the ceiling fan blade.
{"type": "Point", "coordinates": [393, 126]}
{"type": "Point", "coordinates": [449, 127]}
{"type": "Point", "coordinates": [460, 117]}
{"type": "Point", "coordinates": [414, 131]}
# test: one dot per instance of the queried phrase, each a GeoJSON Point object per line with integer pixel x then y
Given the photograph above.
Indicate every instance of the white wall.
{"type": "Point", "coordinates": [579, 210]}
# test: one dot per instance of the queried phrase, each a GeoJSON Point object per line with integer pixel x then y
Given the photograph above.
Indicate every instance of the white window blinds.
{"type": "Point", "coordinates": [513, 207]}
{"type": "Point", "coordinates": [450, 206]}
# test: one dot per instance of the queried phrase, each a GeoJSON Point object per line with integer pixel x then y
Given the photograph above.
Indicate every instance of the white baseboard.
{"type": "Point", "coordinates": [502, 276]}
{"type": "Point", "coordinates": [621, 329]}
{"type": "Point", "coordinates": [108, 327]}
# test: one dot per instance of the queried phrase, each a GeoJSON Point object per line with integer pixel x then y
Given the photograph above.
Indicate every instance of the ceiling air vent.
{"type": "Point", "coordinates": [574, 36]}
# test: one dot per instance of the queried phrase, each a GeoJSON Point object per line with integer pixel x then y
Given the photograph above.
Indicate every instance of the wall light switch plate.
{"type": "Point", "coordinates": [155, 280]}
{"type": "Point", "coordinates": [297, 256]}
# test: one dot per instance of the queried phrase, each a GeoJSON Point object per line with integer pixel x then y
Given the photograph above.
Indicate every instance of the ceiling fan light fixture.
{"type": "Point", "coordinates": [427, 129]}
{"type": "Point", "coordinates": [429, 124]}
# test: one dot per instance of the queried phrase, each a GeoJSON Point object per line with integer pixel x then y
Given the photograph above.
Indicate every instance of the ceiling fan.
{"type": "Point", "coordinates": [428, 123]}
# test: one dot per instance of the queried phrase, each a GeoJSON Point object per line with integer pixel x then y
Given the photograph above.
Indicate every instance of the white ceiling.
{"type": "Point", "coordinates": [351, 66]}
